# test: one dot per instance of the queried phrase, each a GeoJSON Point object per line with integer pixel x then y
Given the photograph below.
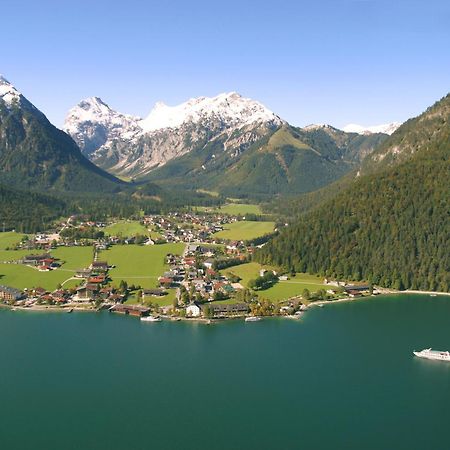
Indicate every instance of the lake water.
{"type": "Point", "coordinates": [341, 378]}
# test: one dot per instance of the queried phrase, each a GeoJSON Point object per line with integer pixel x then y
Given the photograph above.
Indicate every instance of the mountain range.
{"type": "Point", "coordinates": [228, 143]}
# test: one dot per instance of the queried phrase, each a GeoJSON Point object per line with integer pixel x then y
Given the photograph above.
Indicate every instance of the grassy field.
{"type": "Point", "coordinates": [233, 209]}
{"type": "Point", "coordinates": [13, 255]}
{"type": "Point", "coordinates": [245, 230]}
{"type": "Point", "coordinates": [283, 289]}
{"type": "Point", "coordinates": [126, 229]}
{"type": "Point", "coordinates": [9, 238]}
{"type": "Point", "coordinates": [19, 276]}
{"type": "Point", "coordinates": [139, 265]}
{"type": "Point", "coordinates": [74, 258]}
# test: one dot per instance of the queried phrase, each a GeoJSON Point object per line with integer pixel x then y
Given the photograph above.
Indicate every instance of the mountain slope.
{"type": "Point", "coordinates": [415, 135]}
{"type": "Point", "coordinates": [35, 154]}
{"type": "Point", "coordinates": [287, 160]}
{"type": "Point", "coordinates": [391, 227]}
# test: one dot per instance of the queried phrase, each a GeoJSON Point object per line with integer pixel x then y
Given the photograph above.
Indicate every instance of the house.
{"type": "Point", "coordinates": [353, 293]}
{"type": "Point", "coordinates": [98, 279]}
{"type": "Point", "coordinates": [10, 294]}
{"type": "Point", "coordinates": [87, 292]}
{"type": "Point", "coordinates": [193, 310]}
{"type": "Point", "coordinates": [100, 266]}
{"type": "Point", "coordinates": [83, 273]}
{"type": "Point", "coordinates": [154, 292]}
{"type": "Point", "coordinates": [165, 281]}
{"type": "Point", "coordinates": [36, 260]}
{"type": "Point", "coordinates": [222, 310]}
{"type": "Point", "coordinates": [39, 291]}
{"type": "Point", "coordinates": [192, 248]}
{"type": "Point", "coordinates": [132, 310]}
{"type": "Point", "coordinates": [209, 263]}
{"type": "Point", "coordinates": [357, 287]}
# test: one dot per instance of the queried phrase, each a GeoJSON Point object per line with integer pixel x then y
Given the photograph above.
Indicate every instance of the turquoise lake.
{"type": "Point", "coordinates": [343, 377]}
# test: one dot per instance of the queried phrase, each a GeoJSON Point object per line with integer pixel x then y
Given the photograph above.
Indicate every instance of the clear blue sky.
{"type": "Point", "coordinates": [318, 61]}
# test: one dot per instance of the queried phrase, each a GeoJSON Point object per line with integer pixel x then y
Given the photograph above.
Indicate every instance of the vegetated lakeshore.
{"type": "Point", "coordinates": [175, 265]}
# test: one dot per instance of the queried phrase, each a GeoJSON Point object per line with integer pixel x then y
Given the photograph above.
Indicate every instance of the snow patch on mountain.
{"type": "Point", "coordinates": [230, 108]}
{"type": "Point", "coordinates": [92, 124]}
{"type": "Point", "coordinates": [8, 93]}
{"type": "Point", "coordinates": [387, 128]}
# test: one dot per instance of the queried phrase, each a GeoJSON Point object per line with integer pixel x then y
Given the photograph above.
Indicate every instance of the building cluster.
{"type": "Point", "coordinates": [44, 262]}
{"type": "Point", "coordinates": [187, 227]}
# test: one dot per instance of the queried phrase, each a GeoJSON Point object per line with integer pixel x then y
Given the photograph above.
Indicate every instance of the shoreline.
{"type": "Point", "coordinates": [69, 308]}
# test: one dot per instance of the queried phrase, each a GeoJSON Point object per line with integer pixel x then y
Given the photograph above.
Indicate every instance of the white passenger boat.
{"type": "Point", "coordinates": [151, 319]}
{"type": "Point", "coordinates": [433, 354]}
{"type": "Point", "coordinates": [252, 319]}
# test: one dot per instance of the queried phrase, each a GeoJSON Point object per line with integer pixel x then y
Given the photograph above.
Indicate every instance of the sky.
{"type": "Point", "coordinates": [320, 61]}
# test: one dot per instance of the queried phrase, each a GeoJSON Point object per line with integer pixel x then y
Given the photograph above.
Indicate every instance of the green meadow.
{"type": "Point", "coordinates": [9, 238]}
{"type": "Point", "coordinates": [20, 276]}
{"type": "Point", "coordinates": [245, 230]}
{"type": "Point", "coordinates": [126, 229]}
{"type": "Point", "coordinates": [281, 290]}
{"type": "Point", "coordinates": [139, 265]}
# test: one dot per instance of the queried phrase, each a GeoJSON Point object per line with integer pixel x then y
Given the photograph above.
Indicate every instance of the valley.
{"type": "Point", "coordinates": [220, 208]}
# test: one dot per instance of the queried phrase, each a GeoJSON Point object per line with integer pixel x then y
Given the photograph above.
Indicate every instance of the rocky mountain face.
{"type": "Point", "coordinates": [131, 146]}
{"type": "Point", "coordinates": [35, 154]}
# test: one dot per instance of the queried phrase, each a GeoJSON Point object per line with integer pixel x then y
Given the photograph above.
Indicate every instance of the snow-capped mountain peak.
{"type": "Point", "coordinates": [92, 123]}
{"type": "Point", "coordinates": [387, 128]}
{"type": "Point", "coordinates": [131, 145]}
{"type": "Point", "coordinates": [230, 108]}
{"type": "Point", "coordinates": [8, 93]}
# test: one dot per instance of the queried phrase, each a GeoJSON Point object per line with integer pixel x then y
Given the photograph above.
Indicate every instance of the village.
{"type": "Point", "coordinates": [199, 281]}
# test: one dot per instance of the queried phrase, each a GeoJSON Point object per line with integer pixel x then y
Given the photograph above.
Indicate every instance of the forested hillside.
{"type": "Point", "coordinates": [287, 161]}
{"type": "Point", "coordinates": [34, 154]}
{"type": "Point", "coordinates": [391, 228]}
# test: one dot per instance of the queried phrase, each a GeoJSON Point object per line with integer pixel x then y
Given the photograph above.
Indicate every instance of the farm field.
{"type": "Point", "coordinates": [234, 209]}
{"type": "Point", "coordinates": [13, 255]}
{"type": "Point", "coordinates": [245, 230]}
{"type": "Point", "coordinates": [139, 265]}
{"type": "Point", "coordinates": [9, 238]}
{"type": "Point", "coordinates": [74, 258]}
{"type": "Point", "coordinates": [19, 276]}
{"type": "Point", "coordinates": [126, 229]}
{"type": "Point", "coordinates": [281, 290]}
